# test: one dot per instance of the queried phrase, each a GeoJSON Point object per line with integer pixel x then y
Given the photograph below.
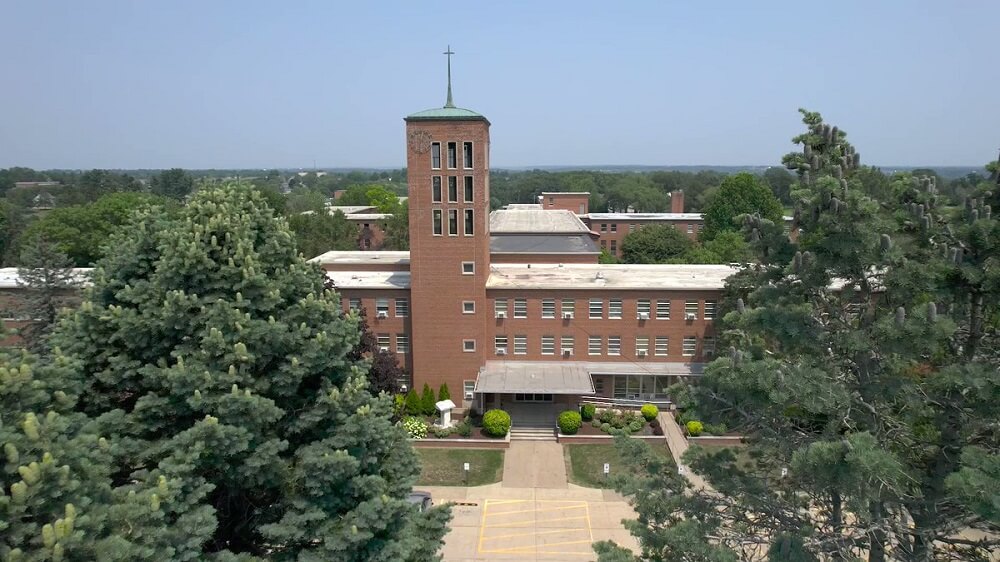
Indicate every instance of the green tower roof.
{"type": "Point", "coordinates": [449, 111]}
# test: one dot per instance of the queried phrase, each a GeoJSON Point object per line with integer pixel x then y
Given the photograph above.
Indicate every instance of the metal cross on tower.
{"type": "Point", "coordinates": [449, 52]}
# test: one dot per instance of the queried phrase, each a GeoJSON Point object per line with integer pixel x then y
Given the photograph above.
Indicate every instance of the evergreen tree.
{"type": "Point", "coordinates": [48, 281]}
{"type": "Point", "coordinates": [214, 356]}
{"type": "Point", "coordinates": [57, 499]}
{"type": "Point", "coordinates": [414, 405]}
{"type": "Point", "coordinates": [444, 393]}
{"type": "Point", "coordinates": [427, 402]}
{"type": "Point", "coordinates": [864, 365]}
{"type": "Point", "coordinates": [174, 183]}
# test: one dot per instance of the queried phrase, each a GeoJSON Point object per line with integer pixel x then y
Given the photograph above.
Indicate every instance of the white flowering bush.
{"type": "Point", "coordinates": [416, 428]}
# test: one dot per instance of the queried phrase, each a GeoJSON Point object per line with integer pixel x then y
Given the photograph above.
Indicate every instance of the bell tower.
{"type": "Point", "coordinates": [447, 161]}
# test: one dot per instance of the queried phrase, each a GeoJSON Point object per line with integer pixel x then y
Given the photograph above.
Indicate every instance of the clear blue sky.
{"type": "Point", "coordinates": [222, 84]}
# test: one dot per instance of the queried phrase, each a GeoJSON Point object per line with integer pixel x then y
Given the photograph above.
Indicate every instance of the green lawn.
{"type": "Point", "coordinates": [444, 467]}
{"type": "Point", "coordinates": [585, 463]}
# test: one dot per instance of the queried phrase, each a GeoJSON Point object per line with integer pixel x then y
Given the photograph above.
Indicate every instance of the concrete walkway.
{"type": "Point", "coordinates": [678, 446]}
{"type": "Point", "coordinates": [534, 464]}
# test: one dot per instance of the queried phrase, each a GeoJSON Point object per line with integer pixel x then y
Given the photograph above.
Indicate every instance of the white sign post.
{"type": "Point", "coordinates": [607, 469]}
{"type": "Point", "coordinates": [784, 472]}
{"type": "Point", "coordinates": [465, 467]}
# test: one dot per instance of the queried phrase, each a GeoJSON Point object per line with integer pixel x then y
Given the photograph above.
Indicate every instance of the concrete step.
{"type": "Point", "coordinates": [533, 433]}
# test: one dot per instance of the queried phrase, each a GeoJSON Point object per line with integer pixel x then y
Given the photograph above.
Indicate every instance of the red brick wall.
{"type": "Point", "coordinates": [543, 258]}
{"type": "Point", "coordinates": [581, 327]}
{"type": "Point", "coordinates": [578, 203]}
{"type": "Point", "coordinates": [438, 286]}
{"type": "Point", "coordinates": [372, 236]}
{"type": "Point", "coordinates": [617, 230]}
{"type": "Point", "coordinates": [392, 325]}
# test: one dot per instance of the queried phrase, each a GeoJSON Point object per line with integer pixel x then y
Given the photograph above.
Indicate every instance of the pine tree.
{"type": "Point", "coordinates": [444, 393]}
{"type": "Point", "coordinates": [49, 283]}
{"type": "Point", "coordinates": [414, 405]}
{"type": "Point", "coordinates": [427, 402]}
{"type": "Point", "coordinates": [213, 354]}
{"type": "Point", "coordinates": [863, 364]}
{"type": "Point", "coordinates": [62, 504]}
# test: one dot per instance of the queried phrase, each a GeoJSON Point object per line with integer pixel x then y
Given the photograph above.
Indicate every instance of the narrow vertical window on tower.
{"type": "Point", "coordinates": [436, 189]}
{"type": "Point", "coordinates": [436, 214]}
{"type": "Point", "coordinates": [436, 155]}
{"type": "Point", "coordinates": [469, 230]}
{"type": "Point", "coordinates": [467, 155]}
{"type": "Point", "coordinates": [453, 222]}
{"type": "Point", "coordinates": [452, 155]}
{"type": "Point", "coordinates": [468, 189]}
{"type": "Point", "coordinates": [452, 189]}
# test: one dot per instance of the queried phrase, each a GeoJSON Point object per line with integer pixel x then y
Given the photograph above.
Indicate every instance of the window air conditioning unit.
{"type": "Point", "coordinates": [567, 352]}
{"type": "Point", "coordinates": [641, 353]}
{"type": "Point", "coordinates": [382, 314]}
{"type": "Point", "coordinates": [469, 396]}
{"type": "Point", "coordinates": [501, 314]}
{"type": "Point", "coordinates": [501, 351]}
{"type": "Point", "coordinates": [567, 315]}
{"type": "Point", "coordinates": [690, 316]}
{"type": "Point", "coordinates": [403, 388]}
{"type": "Point", "coordinates": [383, 348]}
{"type": "Point", "coordinates": [643, 316]}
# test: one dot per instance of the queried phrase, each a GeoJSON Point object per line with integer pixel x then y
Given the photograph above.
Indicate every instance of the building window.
{"type": "Point", "coordinates": [436, 155]}
{"type": "Point", "coordinates": [468, 346]}
{"type": "Point", "coordinates": [604, 244]}
{"type": "Point", "coordinates": [548, 308]}
{"type": "Point", "coordinates": [501, 344]}
{"type": "Point", "coordinates": [467, 155]}
{"type": "Point", "coordinates": [469, 387]}
{"type": "Point", "coordinates": [354, 304]}
{"type": "Point", "coordinates": [709, 310]}
{"type": "Point", "coordinates": [566, 345]}
{"type": "Point", "coordinates": [596, 308]}
{"type": "Point", "coordinates": [436, 189]}
{"type": "Point", "coordinates": [662, 310]}
{"type": "Point", "coordinates": [614, 345]}
{"type": "Point", "coordinates": [642, 309]}
{"type": "Point", "coordinates": [614, 227]}
{"type": "Point", "coordinates": [631, 227]}
{"type": "Point", "coordinates": [468, 189]}
{"type": "Point", "coordinates": [437, 222]}
{"type": "Point", "coordinates": [452, 189]}
{"type": "Point", "coordinates": [520, 345]}
{"type": "Point", "coordinates": [468, 268]}
{"type": "Point", "coordinates": [452, 222]}
{"type": "Point", "coordinates": [614, 246]}
{"type": "Point", "coordinates": [468, 222]}
{"type": "Point", "coordinates": [500, 308]}
{"type": "Point", "coordinates": [548, 345]}
{"type": "Point", "coordinates": [599, 386]}
{"type": "Point", "coordinates": [604, 227]}
{"type": "Point", "coordinates": [520, 308]}
{"type": "Point", "coordinates": [594, 345]}
{"type": "Point", "coordinates": [701, 227]}
{"type": "Point", "coordinates": [402, 343]}
{"type": "Point", "coordinates": [383, 342]}
{"type": "Point", "coordinates": [468, 307]}
{"type": "Point", "coordinates": [452, 155]}
{"type": "Point", "coordinates": [690, 228]}
{"type": "Point", "coordinates": [641, 346]}
{"type": "Point", "coordinates": [382, 307]}
{"type": "Point", "coordinates": [615, 309]}
{"type": "Point", "coordinates": [568, 307]}
{"type": "Point", "coordinates": [708, 346]}
{"type": "Point", "coordinates": [402, 308]}
{"type": "Point", "coordinates": [690, 310]}
{"type": "Point", "coordinates": [690, 346]}
{"type": "Point", "coordinates": [662, 344]}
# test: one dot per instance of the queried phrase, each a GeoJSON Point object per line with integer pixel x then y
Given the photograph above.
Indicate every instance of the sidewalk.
{"type": "Point", "coordinates": [534, 464]}
{"type": "Point", "coordinates": [678, 446]}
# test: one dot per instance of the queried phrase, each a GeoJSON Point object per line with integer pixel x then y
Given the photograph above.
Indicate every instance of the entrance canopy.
{"type": "Point", "coordinates": [566, 377]}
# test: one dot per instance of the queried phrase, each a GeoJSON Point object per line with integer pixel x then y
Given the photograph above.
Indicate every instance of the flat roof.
{"type": "Point", "coordinates": [608, 276]}
{"type": "Point", "coordinates": [587, 193]}
{"type": "Point", "coordinates": [350, 209]}
{"type": "Point", "coordinates": [9, 276]}
{"type": "Point", "coordinates": [542, 244]}
{"type": "Point", "coordinates": [568, 377]}
{"type": "Point", "coordinates": [644, 216]}
{"type": "Point", "coordinates": [530, 221]}
{"type": "Point", "coordinates": [369, 279]}
{"type": "Point", "coordinates": [368, 216]}
{"type": "Point", "coordinates": [522, 206]}
{"type": "Point", "coordinates": [362, 258]}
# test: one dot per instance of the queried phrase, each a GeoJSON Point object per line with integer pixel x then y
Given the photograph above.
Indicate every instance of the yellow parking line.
{"type": "Point", "coordinates": [502, 502]}
{"type": "Point", "coordinates": [589, 527]}
{"type": "Point", "coordinates": [495, 513]}
{"type": "Point", "coordinates": [553, 532]}
{"type": "Point", "coordinates": [512, 523]}
{"type": "Point", "coordinates": [482, 523]}
{"type": "Point", "coordinates": [514, 550]}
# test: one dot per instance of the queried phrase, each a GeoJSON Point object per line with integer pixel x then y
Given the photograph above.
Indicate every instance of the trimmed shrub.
{"type": "Point", "coordinates": [654, 424]}
{"type": "Point", "coordinates": [464, 428]}
{"type": "Point", "coordinates": [596, 423]}
{"type": "Point", "coordinates": [414, 406]}
{"type": "Point", "coordinates": [715, 428]}
{"type": "Point", "coordinates": [635, 426]}
{"type": "Point", "coordinates": [606, 427]}
{"type": "Point", "coordinates": [441, 432]}
{"type": "Point", "coordinates": [657, 430]}
{"type": "Point", "coordinates": [630, 416]}
{"type": "Point", "coordinates": [570, 422]}
{"type": "Point", "coordinates": [686, 416]}
{"type": "Point", "coordinates": [616, 431]}
{"type": "Point", "coordinates": [618, 422]}
{"type": "Point", "coordinates": [649, 411]}
{"type": "Point", "coordinates": [444, 393]}
{"type": "Point", "coordinates": [606, 416]}
{"type": "Point", "coordinates": [427, 401]}
{"type": "Point", "coordinates": [496, 423]}
{"type": "Point", "coordinates": [416, 428]}
{"type": "Point", "coordinates": [587, 412]}
{"type": "Point", "coordinates": [694, 428]}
